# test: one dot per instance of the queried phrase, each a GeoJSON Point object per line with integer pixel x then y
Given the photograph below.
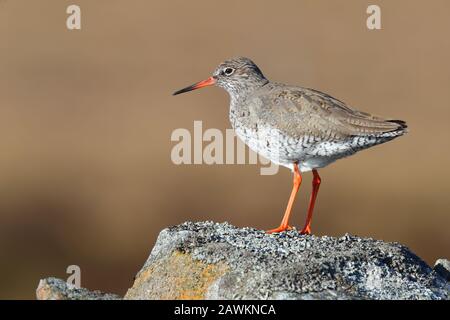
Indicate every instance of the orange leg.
{"type": "Point", "coordinates": [315, 190]}
{"type": "Point", "coordinates": [285, 222]}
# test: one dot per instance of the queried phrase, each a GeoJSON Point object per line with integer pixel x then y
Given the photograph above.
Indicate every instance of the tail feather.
{"type": "Point", "coordinates": [402, 124]}
{"type": "Point", "coordinates": [360, 143]}
{"type": "Point", "coordinates": [399, 131]}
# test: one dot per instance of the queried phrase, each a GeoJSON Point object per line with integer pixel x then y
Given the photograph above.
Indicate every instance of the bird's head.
{"type": "Point", "coordinates": [236, 76]}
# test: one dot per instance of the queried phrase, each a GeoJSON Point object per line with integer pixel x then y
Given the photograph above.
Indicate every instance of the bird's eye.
{"type": "Point", "coordinates": [228, 71]}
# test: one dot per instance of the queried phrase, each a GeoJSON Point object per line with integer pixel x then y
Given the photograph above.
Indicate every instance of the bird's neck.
{"type": "Point", "coordinates": [238, 92]}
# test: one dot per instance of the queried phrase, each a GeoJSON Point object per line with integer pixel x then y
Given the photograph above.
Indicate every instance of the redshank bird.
{"type": "Point", "coordinates": [299, 128]}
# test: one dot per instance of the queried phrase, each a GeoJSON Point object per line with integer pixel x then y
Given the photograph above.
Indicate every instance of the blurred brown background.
{"type": "Point", "coordinates": [86, 118]}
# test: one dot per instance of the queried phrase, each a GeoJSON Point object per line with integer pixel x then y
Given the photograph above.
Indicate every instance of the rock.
{"type": "Point", "coordinates": [207, 260]}
{"type": "Point", "coordinates": [57, 289]}
{"type": "Point", "coordinates": [218, 261]}
{"type": "Point", "coordinates": [442, 266]}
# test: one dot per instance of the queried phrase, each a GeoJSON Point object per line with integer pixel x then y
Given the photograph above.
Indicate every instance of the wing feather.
{"type": "Point", "coordinates": [303, 111]}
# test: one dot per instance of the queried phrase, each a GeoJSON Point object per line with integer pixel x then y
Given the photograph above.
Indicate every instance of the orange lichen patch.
{"type": "Point", "coordinates": [176, 277]}
{"type": "Point", "coordinates": [195, 291]}
{"type": "Point", "coordinates": [47, 292]}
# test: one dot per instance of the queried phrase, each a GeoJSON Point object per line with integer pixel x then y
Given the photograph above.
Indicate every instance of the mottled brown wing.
{"type": "Point", "coordinates": [302, 111]}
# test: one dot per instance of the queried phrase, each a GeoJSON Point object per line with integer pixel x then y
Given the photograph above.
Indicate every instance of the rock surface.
{"type": "Point", "coordinates": [209, 260]}
{"type": "Point", "coordinates": [57, 289]}
{"type": "Point", "coordinates": [442, 267]}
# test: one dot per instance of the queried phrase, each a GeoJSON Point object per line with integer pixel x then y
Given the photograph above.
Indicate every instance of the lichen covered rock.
{"type": "Point", "coordinates": [209, 260]}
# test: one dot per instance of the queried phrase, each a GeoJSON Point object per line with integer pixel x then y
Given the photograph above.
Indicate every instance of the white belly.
{"type": "Point", "coordinates": [306, 152]}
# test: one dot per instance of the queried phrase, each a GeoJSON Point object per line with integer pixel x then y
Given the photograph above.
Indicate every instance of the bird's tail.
{"type": "Point", "coordinates": [401, 129]}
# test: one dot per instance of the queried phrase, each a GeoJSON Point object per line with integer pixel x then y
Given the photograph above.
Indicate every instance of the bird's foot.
{"type": "Point", "coordinates": [279, 229]}
{"type": "Point", "coordinates": [306, 230]}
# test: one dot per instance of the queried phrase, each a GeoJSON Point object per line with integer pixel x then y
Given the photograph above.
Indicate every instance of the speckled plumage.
{"type": "Point", "coordinates": [291, 124]}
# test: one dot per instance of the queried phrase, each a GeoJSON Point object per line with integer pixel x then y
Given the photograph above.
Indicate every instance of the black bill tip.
{"type": "Point", "coordinates": [187, 89]}
{"type": "Point", "coordinates": [205, 83]}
